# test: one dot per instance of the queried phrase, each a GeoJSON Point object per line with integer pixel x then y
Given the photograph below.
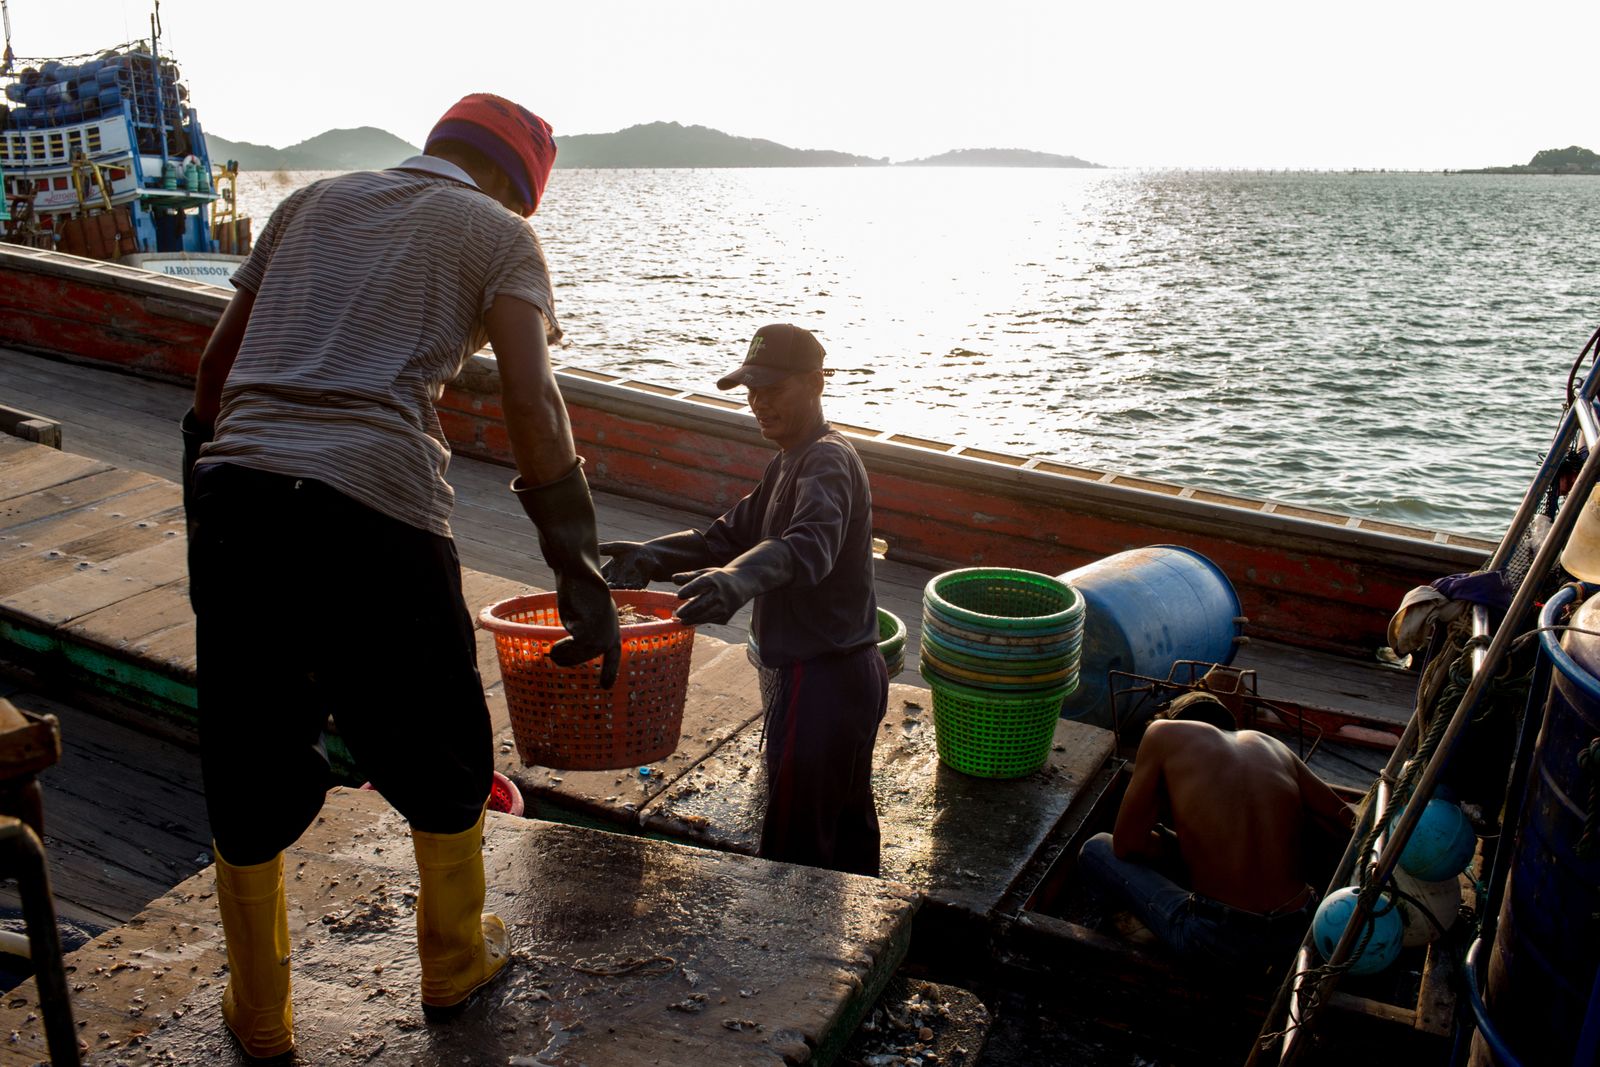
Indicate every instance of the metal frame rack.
{"type": "Point", "coordinates": [1294, 1013]}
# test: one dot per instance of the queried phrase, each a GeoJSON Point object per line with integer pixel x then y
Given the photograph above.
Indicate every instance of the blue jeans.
{"type": "Point", "coordinates": [1197, 928]}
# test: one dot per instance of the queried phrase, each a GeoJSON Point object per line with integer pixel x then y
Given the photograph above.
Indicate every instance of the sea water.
{"type": "Point", "coordinates": [1388, 345]}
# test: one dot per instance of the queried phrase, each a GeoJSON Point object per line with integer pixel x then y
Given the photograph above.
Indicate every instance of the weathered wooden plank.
{"type": "Point", "coordinates": [962, 840]}
{"type": "Point", "coordinates": [37, 467]}
{"type": "Point", "coordinates": [1436, 999]}
{"type": "Point", "coordinates": [124, 816]}
{"type": "Point", "coordinates": [105, 494]}
{"type": "Point", "coordinates": [628, 952]}
{"type": "Point", "coordinates": [96, 586]}
{"type": "Point", "coordinates": [170, 650]}
{"type": "Point", "coordinates": [13, 447]}
{"type": "Point", "coordinates": [1366, 688]}
{"type": "Point", "coordinates": [92, 537]}
{"type": "Point", "coordinates": [27, 426]}
{"type": "Point", "coordinates": [131, 624]}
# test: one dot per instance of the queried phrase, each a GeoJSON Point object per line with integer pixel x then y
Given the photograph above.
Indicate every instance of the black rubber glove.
{"type": "Point", "coordinates": [195, 434]}
{"type": "Point", "coordinates": [563, 511]}
{"type": "Point", "coordinates": [715, 593]}
{"type": "Point", "coordinates": [635, 564]}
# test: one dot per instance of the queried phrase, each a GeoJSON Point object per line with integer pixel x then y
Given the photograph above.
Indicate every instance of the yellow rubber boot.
{"type": "Point", "coordinates": [256, 1004]}
{"type": "Point", "coordinates": [461, 948]}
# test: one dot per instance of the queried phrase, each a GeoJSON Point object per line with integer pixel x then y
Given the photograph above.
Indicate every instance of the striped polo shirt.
{"type": "Point", "coordinates": [370, 291]}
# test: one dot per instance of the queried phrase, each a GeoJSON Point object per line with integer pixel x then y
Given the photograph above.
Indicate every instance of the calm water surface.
{"type": "Point", "coordinates": [1385, 345]}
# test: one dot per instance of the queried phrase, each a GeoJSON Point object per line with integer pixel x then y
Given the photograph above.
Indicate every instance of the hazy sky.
{"type": "Point", "coordinates": [1397, 83]}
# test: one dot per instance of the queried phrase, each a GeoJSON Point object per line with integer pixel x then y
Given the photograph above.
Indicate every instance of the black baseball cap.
{"type": "Point", "coordinates": [777, 352]}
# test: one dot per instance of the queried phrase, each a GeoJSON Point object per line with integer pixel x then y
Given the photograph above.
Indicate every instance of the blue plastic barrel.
{"type": "Point", "coordinates": [1147, 609]}
{"type": "Point", "coordinates": [1547, 944]}
{"type": "Point", "coordinates": [110, 98]}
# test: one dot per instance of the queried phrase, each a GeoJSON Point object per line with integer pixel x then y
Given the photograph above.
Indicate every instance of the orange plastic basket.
{"type": "Point", "coordinates": [560, 717]}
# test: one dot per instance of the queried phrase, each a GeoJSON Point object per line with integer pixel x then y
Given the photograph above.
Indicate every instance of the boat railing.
{"type": "Point", "coordinates": [1306, 988]}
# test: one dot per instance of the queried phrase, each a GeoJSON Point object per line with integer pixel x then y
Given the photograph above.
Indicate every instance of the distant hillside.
{"type": "Point", "coordinates": [365, 148]}
{"type": "Point", "coordinates": [669, 144]}
{"type": "Point", "coordinates": [998, 157]}
{"type": "Point", "coordinates": [654, 144]}
{"type": "Point", "coordinates": [1573, 160]}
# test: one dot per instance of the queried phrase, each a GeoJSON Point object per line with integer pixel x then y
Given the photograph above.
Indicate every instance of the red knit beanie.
{"type": "Point", "coordinates": [514, 138]}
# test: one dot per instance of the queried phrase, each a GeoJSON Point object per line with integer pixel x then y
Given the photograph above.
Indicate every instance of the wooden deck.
{"type": "Point", "coordinates": [131, 422]}
{"type": "Point", "coordinates": [92, 584]}
{"type": "Point", "coordinates": [627, 951]}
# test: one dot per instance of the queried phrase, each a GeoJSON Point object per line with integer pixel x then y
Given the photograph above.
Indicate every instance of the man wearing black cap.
{"type": "Point", "coordinates": [800, 546]}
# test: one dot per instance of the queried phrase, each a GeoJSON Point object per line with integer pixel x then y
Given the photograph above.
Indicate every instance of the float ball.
{"type": "Point", "coordinates": [1441, 899]}
{"type": "Point", "coordinates": [1441, 845]}
{"type": "Point", "coordinates": [1333, 914]}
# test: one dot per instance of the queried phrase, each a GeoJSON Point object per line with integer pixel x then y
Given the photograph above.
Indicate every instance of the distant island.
{"type": "Point", "coordinates": [998, 157]}
{"type": "Point", "coordinates": [1573, 160]}
{"type": "Point", "coordinates": [668, 144]}
{"type": "Point", "coordinates": [363, 148]}
{"type": "Point", "coordinates": [653, 144]}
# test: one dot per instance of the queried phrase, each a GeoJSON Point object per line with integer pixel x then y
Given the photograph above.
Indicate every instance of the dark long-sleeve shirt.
{"type": "Point", "coordinates": [816, 499]}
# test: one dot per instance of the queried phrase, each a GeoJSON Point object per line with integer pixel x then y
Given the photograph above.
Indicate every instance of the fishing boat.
{"type": "Point", "coordinates": [997, 897]}
{"type": "Point", "coordinates": [105, 157]}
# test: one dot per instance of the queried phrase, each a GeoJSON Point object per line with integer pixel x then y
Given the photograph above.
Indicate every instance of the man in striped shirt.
{"type": "Point", "coordinates": [322, 570]}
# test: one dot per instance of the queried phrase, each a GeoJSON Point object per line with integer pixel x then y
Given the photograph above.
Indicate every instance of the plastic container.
{"type": "Point", "coordinates": [973, 653]}
{"type": "Point", "coordinates": [1003, 602]}
{"type": "Point", "coordinates": [1382, 947]}
{"type": "Point", "coordinates": [503, 795]}
{"type": "Point", "coordinates": [891, 643]}
{"type": "Point", "coordinates": [984, 677]}
{"type": "Point", "coordinates": [1147, 609]}
{"type": "Point", "coordinates": [994, 735]}
{"type": "Point", "coordinates": [1542, 971]}
{"type": "Point", "coordinates": [1441, 899]}
{"type": "Point", "coordinates": [1442, 844]}
{"type": "Point", "coordinates": [560, 717]}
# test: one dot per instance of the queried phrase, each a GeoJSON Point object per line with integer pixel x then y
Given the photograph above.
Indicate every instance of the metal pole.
{"type": "Point", "coordinates": [161, 102]}
{"type": "Point", "coordinates": [1503, 637]}
{"type": "Point", "coordinates": [1481, 658]}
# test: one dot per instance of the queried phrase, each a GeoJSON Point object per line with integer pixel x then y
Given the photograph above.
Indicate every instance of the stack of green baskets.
{"type": "Point", "coordinates": [1000, 650]}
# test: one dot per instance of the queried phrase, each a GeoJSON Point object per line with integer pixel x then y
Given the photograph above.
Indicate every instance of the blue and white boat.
{"type": "Point", "coordinates": [103, 156]}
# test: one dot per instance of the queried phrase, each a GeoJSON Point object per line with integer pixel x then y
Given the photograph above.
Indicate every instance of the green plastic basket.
{"type": "Point", "coordinates": [891, 642]}
{"type": "Point", "coordinates": [991, 735]}
{"type": "Point", "coordinates": [1001, 600]}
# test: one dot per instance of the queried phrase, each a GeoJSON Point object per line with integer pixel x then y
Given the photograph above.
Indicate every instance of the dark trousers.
{"type": "Point", "coordinates": [822, 719]}
{"type": "Point", "coordinates": [308, 603]}
{"type": "Point", "coordinates": [1200, 930]}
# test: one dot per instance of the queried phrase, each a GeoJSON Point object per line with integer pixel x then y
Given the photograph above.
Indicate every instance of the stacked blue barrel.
{"type": "Point", "coordinates": [1000, 651]}
{"type": "Point", "coordinates": [56, 93]}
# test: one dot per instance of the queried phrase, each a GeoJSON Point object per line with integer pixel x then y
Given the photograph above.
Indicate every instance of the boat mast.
{"type": "Point", "coordinates": [155, 66]}
{"type": "Point", "coordinates": [8, 57]}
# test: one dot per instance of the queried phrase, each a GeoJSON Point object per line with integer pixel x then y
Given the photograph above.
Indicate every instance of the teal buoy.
{"type": "Point", "coordinates": [1441, 845]}
{"type": "Point", "coordinates": [1388, 930]}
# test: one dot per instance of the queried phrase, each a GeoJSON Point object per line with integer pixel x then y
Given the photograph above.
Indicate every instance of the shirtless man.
{"type": "Point", "coordinates": [1235, 811]}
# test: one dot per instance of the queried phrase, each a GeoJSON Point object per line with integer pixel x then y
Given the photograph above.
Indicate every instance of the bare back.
{"type": "Point", "coordinates": [1238, 804]}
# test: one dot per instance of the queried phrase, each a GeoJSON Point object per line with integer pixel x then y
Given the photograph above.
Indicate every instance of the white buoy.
{"type": "Point", "coordinates": [1442, 900]}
